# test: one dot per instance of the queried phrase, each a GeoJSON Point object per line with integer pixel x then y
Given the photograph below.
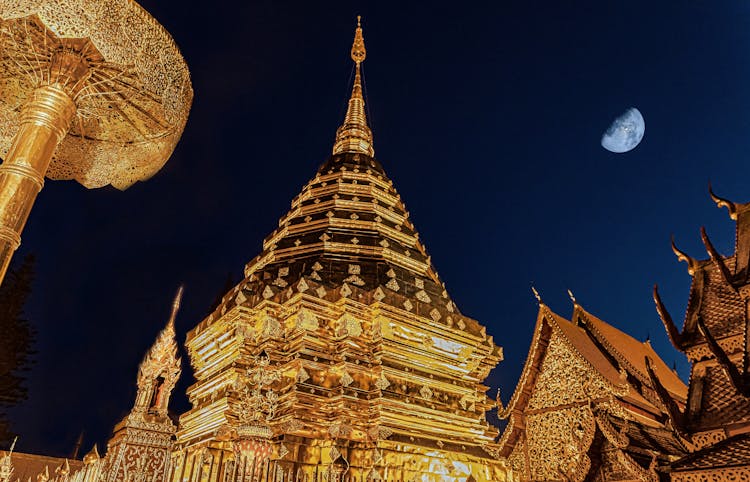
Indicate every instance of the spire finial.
{"type": "Point", "coordinates": [175, 306]}
{"type": "Point", "coordinates": [358, 47]}
{"type": "Point", "coordinates": [354, 135]}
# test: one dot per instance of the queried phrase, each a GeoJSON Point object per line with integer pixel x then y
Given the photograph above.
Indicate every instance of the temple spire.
{"type": "Point", "coordinates": [354, 135]}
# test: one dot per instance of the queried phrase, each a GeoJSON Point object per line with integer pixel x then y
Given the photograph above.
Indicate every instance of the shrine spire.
{"type": "Point", "coordinates": [354, 135]}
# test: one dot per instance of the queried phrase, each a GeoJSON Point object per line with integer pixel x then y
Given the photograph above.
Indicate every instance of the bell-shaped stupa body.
{"type": "Point", "coordinates": [340, 355]}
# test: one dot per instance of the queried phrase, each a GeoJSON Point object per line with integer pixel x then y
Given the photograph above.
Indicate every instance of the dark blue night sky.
{"type": "Point", "coordinates": [487, 116]}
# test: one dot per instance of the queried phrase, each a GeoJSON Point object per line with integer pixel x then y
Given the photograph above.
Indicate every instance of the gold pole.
{"type": "Point", "coordinates": [45, 120]}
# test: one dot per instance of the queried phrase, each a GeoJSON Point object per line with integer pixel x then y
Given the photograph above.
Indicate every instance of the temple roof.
{"type": "Point", "coordinates": [27, 466]}
{"type": "Point", "coordinates": [632, 353]}
{"type": "Point", "coordinates": [612, 355]}
{"type": "Point", "coordinates": [715, 292]}
{"type": "Point", "coordinates": [609, 351]}
{"type": "Point", "coordinates": [716, 327]}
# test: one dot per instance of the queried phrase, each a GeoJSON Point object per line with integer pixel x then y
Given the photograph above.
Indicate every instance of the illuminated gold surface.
{"type": "Point", "coordinates": [44, 121]}
{"type": "Point", "coordinates": [91, 90]}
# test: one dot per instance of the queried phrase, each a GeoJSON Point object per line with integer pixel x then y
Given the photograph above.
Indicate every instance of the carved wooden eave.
{"type": "Point", "coordinates": [674, 411]}
{"type": "Point", "coordinates": [740, 213]}
{"type": "Point", "coordinates": [727, 460]}
{"type": "Point", "coordinates": [695, 299]}
{"type": "Point", "coordinates": [740, 379]}
{"type": "Point", "coordinates": [692, 263]}
{"type": "Point", "coordinates": [620, 441]}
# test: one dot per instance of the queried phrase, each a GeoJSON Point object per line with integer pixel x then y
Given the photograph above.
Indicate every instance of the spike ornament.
{"type": "Point", "coordinates": [355, 135]}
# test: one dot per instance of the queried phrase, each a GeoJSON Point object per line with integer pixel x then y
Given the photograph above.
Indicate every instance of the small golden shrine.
{"type": "Point", "coordinates": [340, 356]}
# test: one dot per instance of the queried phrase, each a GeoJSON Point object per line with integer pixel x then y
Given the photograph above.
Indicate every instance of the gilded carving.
{"type": "Point", "coordinates": [258, 402]}
{"type": "Point", "coordinates": [6, 464]}
{"type": "Point", "coordinates": [565, 378]}
{"type": "Point", "coordinates": [557, 442]}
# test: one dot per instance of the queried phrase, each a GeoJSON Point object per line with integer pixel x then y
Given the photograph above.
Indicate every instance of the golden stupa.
{"type": "Point", "coordinates": [341, 352]}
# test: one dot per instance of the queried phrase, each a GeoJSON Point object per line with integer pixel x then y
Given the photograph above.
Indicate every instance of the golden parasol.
{"type": "Point", "coordinates": [91, 90]}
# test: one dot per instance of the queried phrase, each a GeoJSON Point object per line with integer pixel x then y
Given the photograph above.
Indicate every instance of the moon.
{"type": "Point", "coordinates": [625, 132]}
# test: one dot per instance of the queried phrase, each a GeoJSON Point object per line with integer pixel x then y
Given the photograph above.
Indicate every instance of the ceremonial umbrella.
{"type": "Point", "coordinates": [91, 90]}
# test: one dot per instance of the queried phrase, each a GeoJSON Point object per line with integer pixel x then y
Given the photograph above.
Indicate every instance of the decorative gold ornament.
{"type": "Point", "coordinates": [6, 463]}
{"type": "Point", "coordinates": [258, 401]}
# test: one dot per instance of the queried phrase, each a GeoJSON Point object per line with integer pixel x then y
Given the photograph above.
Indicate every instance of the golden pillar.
{"type": "Point", "coordinates": [83, 97]}
{"type": "Point", "coordinates": [45, 120]}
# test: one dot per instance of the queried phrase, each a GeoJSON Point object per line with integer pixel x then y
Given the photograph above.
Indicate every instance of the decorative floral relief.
{"type": "Point", "coordinates": [565, 378]}
{"type": "Point", "coordinates": [558, 441]}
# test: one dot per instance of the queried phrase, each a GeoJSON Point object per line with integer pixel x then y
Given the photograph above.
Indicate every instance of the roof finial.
{"type": "Point", "coordinates": [682, 256]}
{"type": "Point", "coordinates": [354, 135]}
{"type": "Point", "coordinates": [723, 203]}
{"type": "Point", "coordinates": [572, 297]}
{"type": "Point", "coordinates": [6, 463]}
{"type": "Point", "coordinates": [92, 457]}
{"type": "Point", "coordinates": [536, 294]}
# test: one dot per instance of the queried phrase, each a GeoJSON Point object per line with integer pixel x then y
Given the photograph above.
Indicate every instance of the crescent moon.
{"type": "Point", "coordinates": [625, 132]}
